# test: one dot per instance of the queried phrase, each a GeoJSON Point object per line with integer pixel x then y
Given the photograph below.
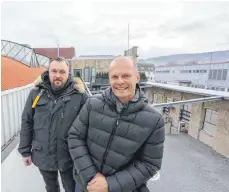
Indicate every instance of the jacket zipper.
{"type": "Point", "coordinates": [51, 119]}
{"type": "Point", "coordinates": [109, 143]}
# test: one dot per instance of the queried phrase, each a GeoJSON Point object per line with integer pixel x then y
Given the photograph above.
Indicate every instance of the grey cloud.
{"type": "Point", "coordinates": [204, 26]}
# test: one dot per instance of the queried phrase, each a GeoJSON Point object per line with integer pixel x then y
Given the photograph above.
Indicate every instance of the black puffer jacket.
{"type": "Point", "coordinates": [125, 147]}
{"type": "Point", "coordinates": [44, 130]}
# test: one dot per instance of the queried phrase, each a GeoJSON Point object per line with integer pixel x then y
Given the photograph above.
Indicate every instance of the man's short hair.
{"type": "Point", "coordinates": [59, 59]}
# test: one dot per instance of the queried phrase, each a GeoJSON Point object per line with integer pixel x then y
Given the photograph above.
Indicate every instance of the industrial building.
{"type": "Point", "coordinates": [212, 76]}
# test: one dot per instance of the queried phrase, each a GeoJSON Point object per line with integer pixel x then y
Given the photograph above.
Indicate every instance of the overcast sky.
{"type": "Point", "coordinates": [101, 27]}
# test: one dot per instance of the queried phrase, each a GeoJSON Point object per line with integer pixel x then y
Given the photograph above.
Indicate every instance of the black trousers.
{"type": "Point", "coordinates": [52, 183]}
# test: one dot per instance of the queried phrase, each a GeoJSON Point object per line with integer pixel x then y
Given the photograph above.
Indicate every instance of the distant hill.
{"type": "Point", "coordinates": [186, 58]}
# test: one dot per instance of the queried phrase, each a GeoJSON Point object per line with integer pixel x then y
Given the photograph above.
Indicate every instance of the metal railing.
{"type": "Point", "coordinates": [13, 102]}
{"type": "Point", "coordinates": [23, 54]}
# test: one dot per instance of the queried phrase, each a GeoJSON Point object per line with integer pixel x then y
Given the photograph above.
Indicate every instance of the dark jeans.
{"type": "Point", "coordinates": [52, 184]}
{"type": "Point", "coordinates": [77, 189]}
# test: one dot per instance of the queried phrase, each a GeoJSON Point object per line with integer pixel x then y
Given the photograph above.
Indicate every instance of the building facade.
{"type": "Point", "coordinates": [213, 76]}
{"type": "Point", "coordinates": [148, 69]}
{"type": "Point", "coordinates": [89, 65]}
{"type": "Point", "coordinates": [206, 121]}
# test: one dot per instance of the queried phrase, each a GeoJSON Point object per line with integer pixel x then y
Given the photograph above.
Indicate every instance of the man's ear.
{"type": "Point", "coordinates": [138, 77]}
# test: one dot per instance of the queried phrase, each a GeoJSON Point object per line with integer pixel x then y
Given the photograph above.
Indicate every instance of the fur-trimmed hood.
{"type": "Point", "coordinates": [78, 84]}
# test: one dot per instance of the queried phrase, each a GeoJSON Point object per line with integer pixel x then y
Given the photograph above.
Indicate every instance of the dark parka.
{"type": "Point", "coordinates": [44, 129]}
{"type": "Point", "coordinates": [126, 147]}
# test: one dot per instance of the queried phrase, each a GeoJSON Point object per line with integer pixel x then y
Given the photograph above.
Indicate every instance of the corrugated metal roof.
{"type": "Point", "coordinates": [67, 53]}
{"type": "Point", "coordinates": [16, 74]}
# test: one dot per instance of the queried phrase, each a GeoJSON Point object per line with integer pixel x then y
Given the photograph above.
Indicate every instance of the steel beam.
{"type": "Point", "coordinates": [10, 50]}
{"type": "Point", "coordinates": [18, 53]}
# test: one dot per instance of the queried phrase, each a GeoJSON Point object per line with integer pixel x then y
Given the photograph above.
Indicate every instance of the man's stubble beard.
{"type": "Point", "coordinates": [54, 87]}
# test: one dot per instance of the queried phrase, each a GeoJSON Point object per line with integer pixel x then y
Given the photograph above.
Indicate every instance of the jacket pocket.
{"type": "Point", "coordinates": [38, 156]}
{"type": "Point", "coordinates": [42, 114]}
{"type": "Point", "coordinates": [41, 121]}
{"type": "Point", "coordinates": [36, 145]}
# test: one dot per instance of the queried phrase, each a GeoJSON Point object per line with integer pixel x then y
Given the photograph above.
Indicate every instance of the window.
{"type": "Point", "coordinates": [224, 74]}
{"type": "Point", "coordinates": [203, 71]}
{"type": "Point", "coordinates": [86, 74]}
{"type": "Point", "coordinates": [210, 121]}
{"type": "Point", "coordinates": [210, 74]}
{"type": "Point", "coordinates": [154, 98]}
{"type": "Point", "coordinates": [214, 74]}
{"type": "Point", "coordinates": [222, 89]}
{"type": "Point", "coordinates": [187, 107]}
{"type": "Point", "coordinates": [219, 74]}
{"type": "Point", "coordinates": [93, 75]}
{"type": "Point", "coordinates": [77, 72]}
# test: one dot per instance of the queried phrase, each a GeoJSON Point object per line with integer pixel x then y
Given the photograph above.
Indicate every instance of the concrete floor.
{"type": "Point", "coordinates": [188, 166]}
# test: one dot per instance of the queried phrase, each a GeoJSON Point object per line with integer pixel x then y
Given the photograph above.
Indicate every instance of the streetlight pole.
{"type": "Point", "coordinates": [58, 50]}
{"type": "Point", "coordinates": [128, 35]}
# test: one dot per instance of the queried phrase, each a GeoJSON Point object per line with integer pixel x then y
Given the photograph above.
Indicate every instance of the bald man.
{"type": "Point", "coordinates": [117, 140]}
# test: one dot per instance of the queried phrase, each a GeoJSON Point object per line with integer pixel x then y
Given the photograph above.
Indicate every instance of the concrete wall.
{"type": "Point", "coordinates": [219, 141]}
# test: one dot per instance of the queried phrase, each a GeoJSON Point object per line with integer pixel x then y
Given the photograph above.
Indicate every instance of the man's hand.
{"type": "Point", "coordinates": [98, 184]}
{"type": "Point", "coordinates": [27, 161]}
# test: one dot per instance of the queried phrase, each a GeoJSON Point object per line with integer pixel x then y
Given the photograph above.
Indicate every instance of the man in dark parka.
{"type": "Point", "coordinates": [49, 112]}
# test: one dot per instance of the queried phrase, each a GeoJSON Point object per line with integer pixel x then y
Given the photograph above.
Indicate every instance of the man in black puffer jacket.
{"type": "Point", "coordinates": [116, 142]}
{"type": "Point", "coordinates": [51, 107]}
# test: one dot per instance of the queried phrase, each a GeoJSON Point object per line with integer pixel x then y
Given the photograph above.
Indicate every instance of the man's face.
{"type": "Point", "coordinates": [58, 73]}
{"type": "Point", "coordinates": [123, 80]}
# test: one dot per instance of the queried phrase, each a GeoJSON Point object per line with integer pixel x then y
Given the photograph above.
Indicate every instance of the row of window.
{"type": "Point", "coordinates": [215, 74]}
{"type": "Point", "coordinates": [218, 74]}
{"type": "Point", "coordinates": [166, 71]}
{"type": "Point", "coordinates": [185, 71]}
{"type": "Point", "coordinates": [145, 68]}
{"type": "Point", "coordinates": [194, 71]}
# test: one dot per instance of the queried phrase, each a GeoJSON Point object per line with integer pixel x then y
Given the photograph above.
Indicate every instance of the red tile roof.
{"type": "Point", "coordinates": [16, 74]}
{"type": "Point", "coordinates": [67, 53]}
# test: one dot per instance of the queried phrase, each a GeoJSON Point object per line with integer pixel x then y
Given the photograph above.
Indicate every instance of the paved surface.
{"type": "Point", "coordinates": [9, 148]}
{"type": "Point", "coordinates": [190, 166]}
{"type": "Point", "coordinates": [18, 178]}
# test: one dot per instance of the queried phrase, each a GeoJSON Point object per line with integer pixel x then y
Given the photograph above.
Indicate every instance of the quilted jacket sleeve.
{"type": "Point", "coordinates": [144, 168]}
{"type": "Point", "coordinates": [78, 148]}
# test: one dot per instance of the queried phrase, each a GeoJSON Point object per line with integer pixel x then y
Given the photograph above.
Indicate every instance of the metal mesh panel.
{"type": "Point", "coordinates": [23, 54]}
